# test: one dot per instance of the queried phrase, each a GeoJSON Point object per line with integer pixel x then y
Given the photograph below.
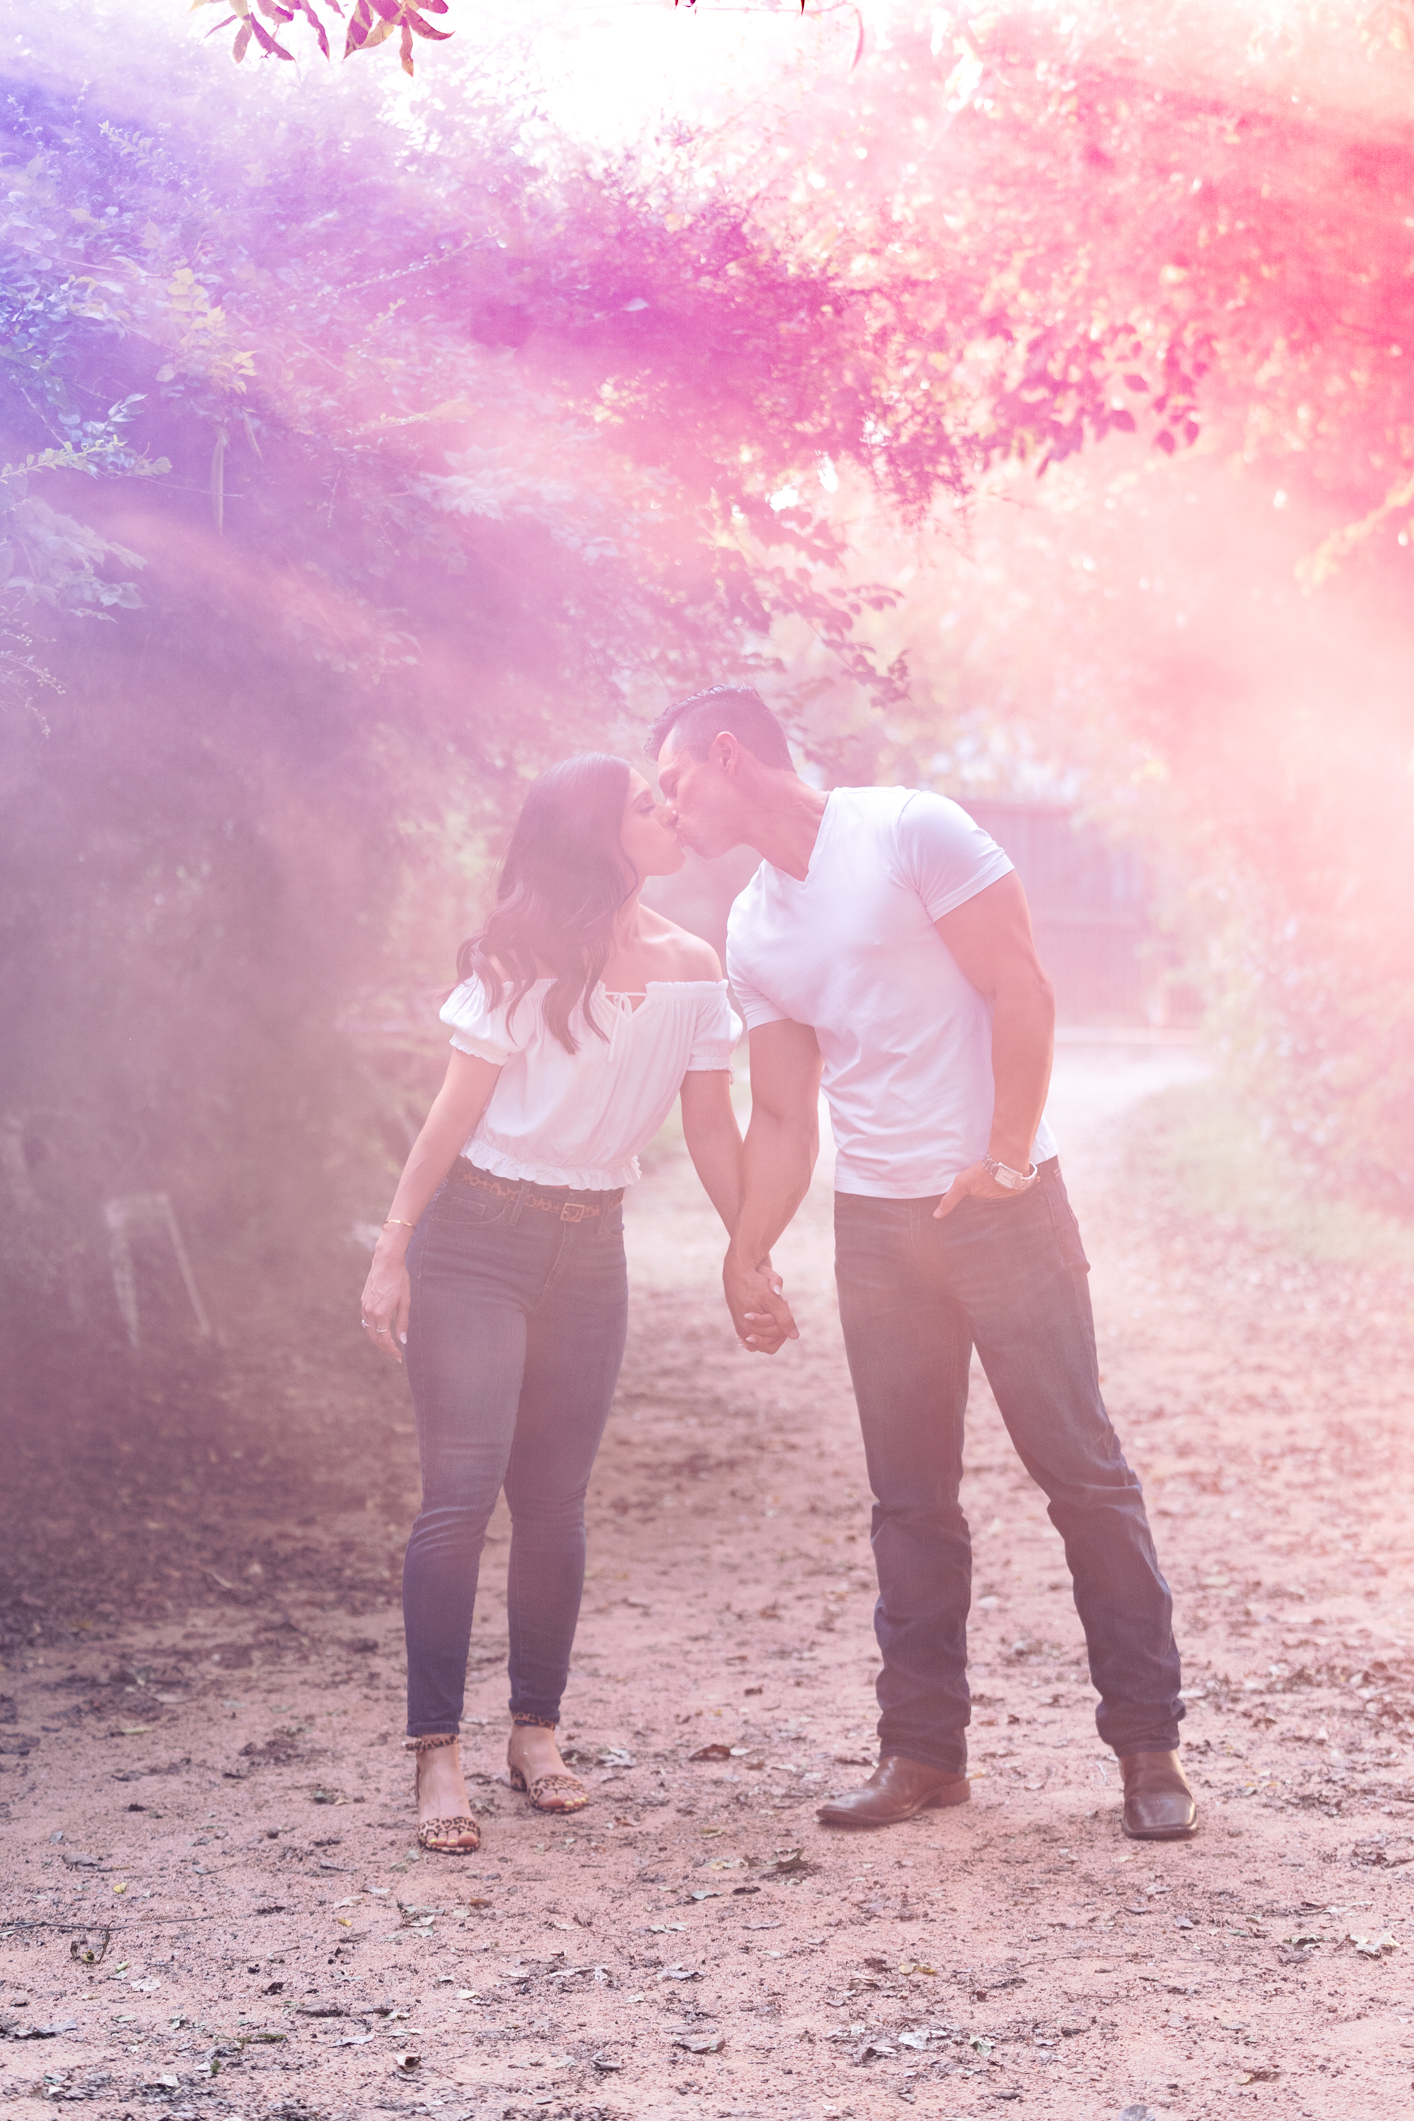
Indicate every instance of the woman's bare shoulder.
{"type": "Point", "coordinates": [684, 956]}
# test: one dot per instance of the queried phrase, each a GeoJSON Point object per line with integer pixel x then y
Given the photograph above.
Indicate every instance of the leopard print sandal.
{"type": "Point", "coordinates": [458, 1836]}
{"type": "Point", "coordinates": [557, 1794]}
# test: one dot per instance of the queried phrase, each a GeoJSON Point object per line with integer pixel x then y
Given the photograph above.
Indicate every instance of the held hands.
{"type": "Point", "coordinates": [387, 1296]}
{"type": "Point", "coordinates": [977, 1183]}
{"type": "Point", "coordinates": [760, 1313]}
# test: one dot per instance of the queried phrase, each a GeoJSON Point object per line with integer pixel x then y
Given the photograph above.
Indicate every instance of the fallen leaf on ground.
{"type": "Point", "coordinates": [711, 1752]}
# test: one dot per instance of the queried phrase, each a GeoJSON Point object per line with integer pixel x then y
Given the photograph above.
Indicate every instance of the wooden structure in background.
{"type": "Point", "coordinates": [1091, 909]}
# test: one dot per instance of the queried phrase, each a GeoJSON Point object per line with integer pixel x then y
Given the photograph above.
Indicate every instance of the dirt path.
{"type": "Point", "coordinates": [209, 1886]}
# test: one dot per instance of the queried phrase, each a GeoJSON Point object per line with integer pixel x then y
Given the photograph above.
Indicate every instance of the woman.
{"type": "Point", "coordinates": [580, 1016]}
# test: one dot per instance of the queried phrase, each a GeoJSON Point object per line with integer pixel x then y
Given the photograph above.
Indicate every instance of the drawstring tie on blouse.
{"type": "Point", "coordinates": [620, 1007]}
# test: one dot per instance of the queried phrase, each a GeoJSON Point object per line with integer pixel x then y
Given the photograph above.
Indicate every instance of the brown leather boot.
{"type": "Point", "coordinates": [895, 1791]}
{"type": "Point", "coordinates": [1158, 1804]}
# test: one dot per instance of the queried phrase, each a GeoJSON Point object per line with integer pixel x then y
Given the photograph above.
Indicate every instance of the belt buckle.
{"type": "Point", "coordinates": [573, 1211]}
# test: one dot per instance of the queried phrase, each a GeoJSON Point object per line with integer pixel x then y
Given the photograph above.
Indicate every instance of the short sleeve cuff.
{"type": "Point", "coordinates": [480, 1048]}
{"type": "Point", "coordinates": [716, 1038]}
{"type": "Point", "coordinates": [758, 1013]}
{"type": "Point", "coordinates": [475, 1028]}
{"type": "Point", "coordinates": [989, 872]}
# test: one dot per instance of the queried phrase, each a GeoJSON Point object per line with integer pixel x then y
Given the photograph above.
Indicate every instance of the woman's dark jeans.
{"type": "Point", "coordinates": [515, 1339]}
{"type": "Point", "coordinates": [915, 1297]}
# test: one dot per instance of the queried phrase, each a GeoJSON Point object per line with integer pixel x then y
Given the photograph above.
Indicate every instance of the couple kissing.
{"type": "Point", "coordinates": [882, 952]}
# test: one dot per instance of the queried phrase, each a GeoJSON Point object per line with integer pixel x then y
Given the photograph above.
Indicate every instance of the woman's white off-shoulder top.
{"type": "Point", "coordinates": [580, 1119]}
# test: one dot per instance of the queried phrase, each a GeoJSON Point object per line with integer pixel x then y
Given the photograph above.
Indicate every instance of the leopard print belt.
{"type": "Point", "coordinates": [558, 1200]}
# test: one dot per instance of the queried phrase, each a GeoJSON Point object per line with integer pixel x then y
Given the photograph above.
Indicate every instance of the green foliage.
{"type": "Point", "coordinates": [1316, 1011]}
{"type": "Point", "coordinates": [371, 22]}
{"type": "Point", "coordinates": [1220, 1158]}
{"type": "Point", "coordinates": [443, 447]}
{"type": "Point", "coordinates": [50, 558]}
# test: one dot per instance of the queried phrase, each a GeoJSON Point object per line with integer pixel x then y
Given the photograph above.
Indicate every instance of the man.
{"type": "Point", "coordinates": [885, 944]}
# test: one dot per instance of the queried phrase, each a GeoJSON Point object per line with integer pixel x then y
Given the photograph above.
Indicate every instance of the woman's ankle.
{"type": "Point", "coordinates": [537, 1738]}
{"type": "Point", "coordinates": [440, 1784]}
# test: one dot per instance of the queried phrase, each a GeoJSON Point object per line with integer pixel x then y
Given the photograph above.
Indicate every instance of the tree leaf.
{"type": "Point", "coordinates": [360, 23]}
{"type": "Point", "coordinates": [319, 30]}
{"type": "Point", "coordinates": [267, 43]}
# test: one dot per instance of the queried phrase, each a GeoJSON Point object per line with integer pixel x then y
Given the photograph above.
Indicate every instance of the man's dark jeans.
{"type": "Point", "coordinates": [515, 1339]}
{"type": "Point", "coordinates": [915, 1297]}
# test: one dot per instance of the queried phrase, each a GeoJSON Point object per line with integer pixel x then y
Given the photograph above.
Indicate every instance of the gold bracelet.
{"type": "Point", "coordinates": [397, 1221]}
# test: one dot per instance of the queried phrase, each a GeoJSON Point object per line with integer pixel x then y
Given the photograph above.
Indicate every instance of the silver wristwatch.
{"type": "Point", "coordinates": [1014, 1181]}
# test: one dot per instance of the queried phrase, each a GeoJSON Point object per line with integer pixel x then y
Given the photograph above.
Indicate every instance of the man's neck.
{"type": "Point", "coordinates": [785, 825]}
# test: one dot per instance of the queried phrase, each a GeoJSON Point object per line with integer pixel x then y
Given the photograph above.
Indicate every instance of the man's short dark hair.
{"type": "Point", "coordinates": [693, 723]}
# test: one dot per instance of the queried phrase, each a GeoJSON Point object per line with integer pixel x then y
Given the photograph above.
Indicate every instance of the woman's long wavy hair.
{"type": "Point", "coordinates": [564, 878]}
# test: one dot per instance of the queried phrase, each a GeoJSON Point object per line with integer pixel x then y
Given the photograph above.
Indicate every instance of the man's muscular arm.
{"type": "Point", "coordinates": [990, 938]}
{"type": "Point", "coordinates": [782, 1142]}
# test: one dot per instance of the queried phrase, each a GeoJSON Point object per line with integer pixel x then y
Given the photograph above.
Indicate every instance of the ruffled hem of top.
{"type": "Point", "coordinates": [582, 1178]}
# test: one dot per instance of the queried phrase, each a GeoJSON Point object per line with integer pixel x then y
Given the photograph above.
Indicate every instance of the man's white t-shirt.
{"type": "Point", "coordinates": [851, 950]}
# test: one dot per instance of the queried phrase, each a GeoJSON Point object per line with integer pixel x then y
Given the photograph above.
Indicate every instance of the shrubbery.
{"type": "Point", "coordinates": [356, 467]}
